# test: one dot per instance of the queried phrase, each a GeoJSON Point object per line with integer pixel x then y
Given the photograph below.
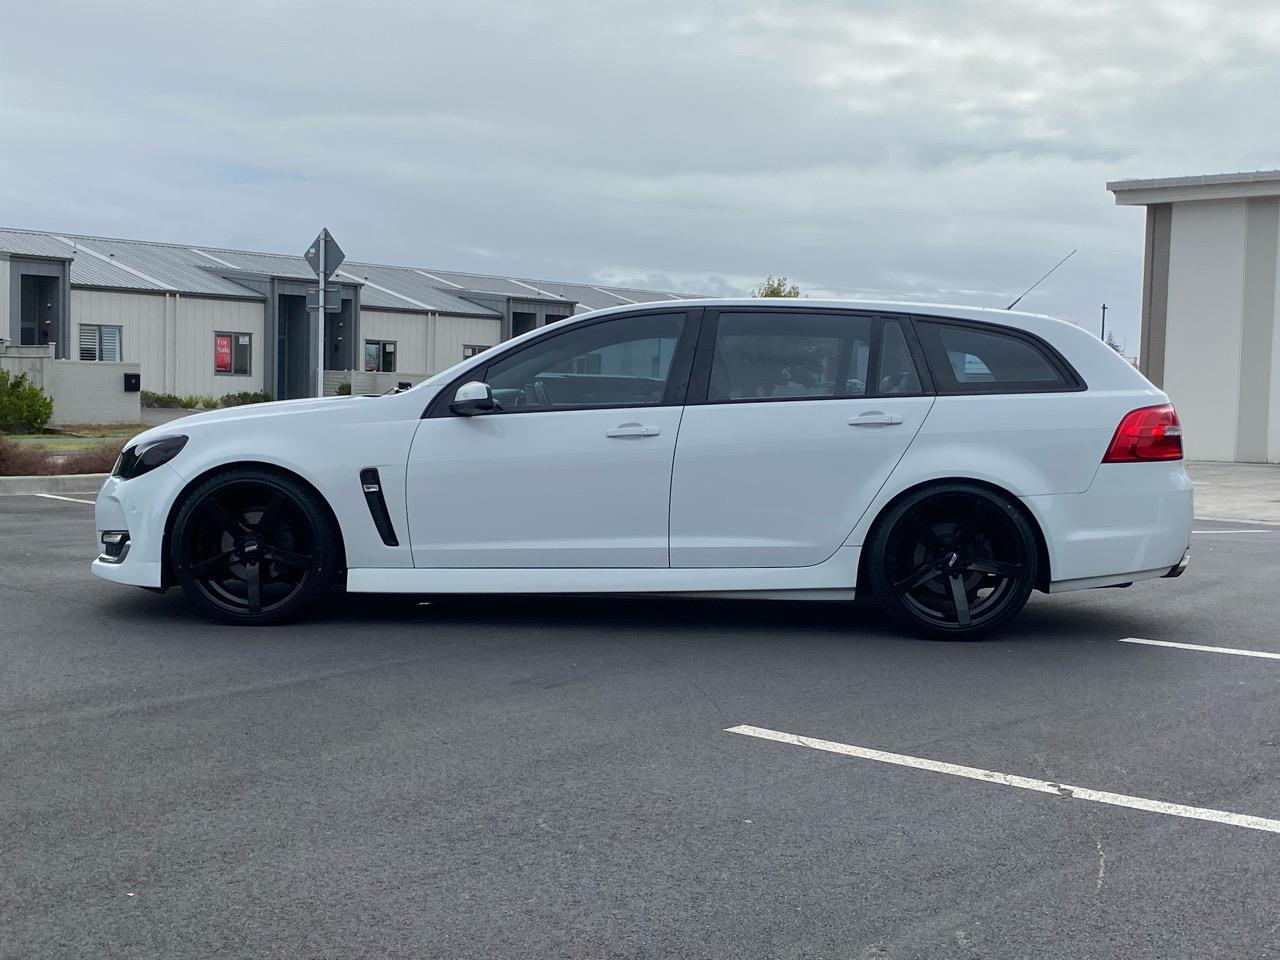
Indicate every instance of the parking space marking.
{"type": "Point", "coordinates": [1202, 648]}
{"type": "Point", "coordinates": [54, 496]}
{"type": "Point", "coordinates": [1234, 533]}
{"type": "Point", "coordinates": [1013, 780]}
{"type": "Point", "coordinates": [1249, 523]}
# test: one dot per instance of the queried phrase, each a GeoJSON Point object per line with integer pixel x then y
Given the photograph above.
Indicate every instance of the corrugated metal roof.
{"type": "Point", "coordinates": [415, 286]}
{"type": "Point", "coordinates": [197, 269]}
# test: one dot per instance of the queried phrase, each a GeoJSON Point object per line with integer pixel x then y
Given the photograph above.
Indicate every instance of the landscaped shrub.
{"type": "Point", "coordinates": [24, 407]}
{"type": "Point", "coordinates": [344, 388]}
{"type": "Point", "coordinates": [166, 400]}
{"type": "Point", "coordinates": [246, 396]}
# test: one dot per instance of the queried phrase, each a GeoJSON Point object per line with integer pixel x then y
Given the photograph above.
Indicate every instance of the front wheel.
{"type": "Point", "coordinates": [955, 560]}
{"type": "Point", "coordinates": [251, 547]}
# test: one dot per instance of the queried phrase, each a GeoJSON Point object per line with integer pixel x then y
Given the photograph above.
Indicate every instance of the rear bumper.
{"type": "Point", "coordinates": [1133, 523]}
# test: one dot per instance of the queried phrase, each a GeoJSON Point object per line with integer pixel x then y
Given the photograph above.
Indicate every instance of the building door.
{"type": "Point", "coordinates": [294, 361]}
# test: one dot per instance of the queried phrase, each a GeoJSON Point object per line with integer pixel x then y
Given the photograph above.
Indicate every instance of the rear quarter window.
{"type": "Point", "coordinates": [974, 358]}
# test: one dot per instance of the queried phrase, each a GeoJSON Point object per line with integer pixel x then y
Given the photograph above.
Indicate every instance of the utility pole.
{"type": "Point", "coordinates": [1104, 323]}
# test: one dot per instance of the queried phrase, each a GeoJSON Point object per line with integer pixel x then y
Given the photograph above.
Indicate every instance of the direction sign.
{"type": "Point", "coordinates": [333, 255]}
{"type": "Point", "coordinates": [332, 298]}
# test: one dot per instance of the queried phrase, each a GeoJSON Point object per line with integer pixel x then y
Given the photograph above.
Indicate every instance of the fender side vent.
{"type": "Point", "coordinates": [371, 483]}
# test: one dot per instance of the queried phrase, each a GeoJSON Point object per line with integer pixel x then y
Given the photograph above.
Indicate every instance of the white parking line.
{"type": "Point", "coordinates": [1248, 523]}
{"type": "Point", "coordinates": [54, 496]}
{"type": "Point", "coordinates": [1202, 648]}
{"type": "Point", "coordinates": [1012, 780]}
{"type": "Point", "coordinates": [1234, 533]}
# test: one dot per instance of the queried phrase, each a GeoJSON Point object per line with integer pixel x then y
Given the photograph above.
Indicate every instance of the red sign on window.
{"type": "Point", "coordinates": [221, 353]}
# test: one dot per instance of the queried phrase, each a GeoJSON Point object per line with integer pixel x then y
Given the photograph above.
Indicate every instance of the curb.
{"type": "Point", "coordinates": [60, 483]}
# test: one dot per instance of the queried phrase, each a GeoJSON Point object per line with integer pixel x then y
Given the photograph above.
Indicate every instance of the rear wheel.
{"type": "Point", "coordinates": [251, 546]}
{"type": "Point", "coordinates": [954, 560]}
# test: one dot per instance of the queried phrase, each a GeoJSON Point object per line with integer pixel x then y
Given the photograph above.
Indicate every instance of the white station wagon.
{"type": "Point", "coordinates": [943, 460]}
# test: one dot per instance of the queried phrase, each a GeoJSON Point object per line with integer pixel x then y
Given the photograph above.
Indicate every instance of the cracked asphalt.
{"type": "Point", "coordinates": [500, 777]}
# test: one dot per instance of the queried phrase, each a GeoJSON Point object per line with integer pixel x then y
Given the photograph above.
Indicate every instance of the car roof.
{"type": "Point", "coordinates": [1012, 318]}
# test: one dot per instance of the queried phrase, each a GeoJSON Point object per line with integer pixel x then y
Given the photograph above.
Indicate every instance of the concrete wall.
{"type": "Point", "coordinates": [171, 336]}
{"type": "Point", "coordinates": [1221, 363]}
{"type": "Point", "coordinates": [88, 392]}
{"type": "Point", "coordinates": [93, 392]}
{"type": "Point", "coordinates": [1202, 346]}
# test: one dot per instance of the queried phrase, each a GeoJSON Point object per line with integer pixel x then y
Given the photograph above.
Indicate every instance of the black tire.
{"type": "Point", "coordinates": [250, 546]}
{"type": "Point", "coordinates": [953, 560]}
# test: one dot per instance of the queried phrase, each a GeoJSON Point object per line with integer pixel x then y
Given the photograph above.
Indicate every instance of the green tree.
{"type": "Point", "coordinates": [1114, 344]}
{"type": "Point", "coordinates": [777, 287]}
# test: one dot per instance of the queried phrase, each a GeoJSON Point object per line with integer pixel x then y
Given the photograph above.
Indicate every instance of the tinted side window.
{"type": "Point", "coordinates": [789, 355]}
{"type": "Point", "coordinates": [897, 368]}
{"type": "Point", "coordinates": [618, 363]}
{"type": "Point", "coordinates": [969, 359]}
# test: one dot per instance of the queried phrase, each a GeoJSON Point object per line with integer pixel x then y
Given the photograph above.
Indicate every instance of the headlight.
{"type": "Point", "coordinates": [146, 456]}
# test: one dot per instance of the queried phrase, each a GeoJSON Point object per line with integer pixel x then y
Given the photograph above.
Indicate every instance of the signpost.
{"type": "Point", "coordinates": [325, 256]}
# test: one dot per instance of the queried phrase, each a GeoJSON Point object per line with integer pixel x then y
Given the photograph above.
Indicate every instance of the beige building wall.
{"type": "Point", "coordinates": [171, 337]}
{"type": "Point", "coordinates": [452, 333]}
{"type": "Point", "coordinates": [1203, 333]}
{"type": "Point", "coordinates": [409, 331]}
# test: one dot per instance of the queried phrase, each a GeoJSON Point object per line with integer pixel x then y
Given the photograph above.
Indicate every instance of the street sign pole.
{"type": "Point", "coordinates": [320, 282]}
{"type": "Point", "coordinates": [325, 256]}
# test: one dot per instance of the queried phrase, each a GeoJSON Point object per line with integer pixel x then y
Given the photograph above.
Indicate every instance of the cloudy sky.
{"type": "Point", "coordinates": [943, 149]}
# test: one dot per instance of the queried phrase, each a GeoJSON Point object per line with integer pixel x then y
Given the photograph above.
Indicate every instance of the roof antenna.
{"type": "Point", "coordinates": [1042, 279]}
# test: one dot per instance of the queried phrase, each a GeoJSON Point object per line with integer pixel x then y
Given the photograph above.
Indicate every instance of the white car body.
{"type": "Point", "coordinates": [771, 499]}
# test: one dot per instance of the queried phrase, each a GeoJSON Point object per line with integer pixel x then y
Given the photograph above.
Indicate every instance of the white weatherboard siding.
{"type": "Point", "coordinates": [142, 319]}
{"type": "Point", "coordinates": [5, 333]}
{"type": "Point", "coordinates": [198, 319]}
{"type": "Point", "coordinates": [1202, 358]}
{"type": "Point", "coordinates": [451, 333]}
{"type": "Point", "coordinates": [171, 336]}
{"type": "Point", "coordinates": [409, 331]}
{"type": "Point", "coordinates": [1273, 422]}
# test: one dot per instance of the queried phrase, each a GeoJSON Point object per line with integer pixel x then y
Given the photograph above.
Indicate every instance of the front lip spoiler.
{"type": "Point", "coordinates": [1179, 568]}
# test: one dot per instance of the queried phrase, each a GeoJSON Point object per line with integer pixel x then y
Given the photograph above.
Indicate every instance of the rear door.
{"type": "Point", "coordinates": [795, 420]}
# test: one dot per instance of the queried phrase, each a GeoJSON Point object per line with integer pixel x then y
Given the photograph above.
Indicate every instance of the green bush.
{"type": "Point", "coordinates": [344, 388]}
{"type": "Point", "coordinates": [24, 407]}
{"type": "Point", "coordinates": [245, 396]}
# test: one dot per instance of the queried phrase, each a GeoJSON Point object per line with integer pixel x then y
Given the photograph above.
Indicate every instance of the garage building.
{"type": "Point", "coordinates": [1210, 330]}
{"type": "Point", "coordinates": [210, 321]}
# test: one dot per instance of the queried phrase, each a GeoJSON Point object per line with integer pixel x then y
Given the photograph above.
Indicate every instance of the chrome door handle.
{"type": "Point", "coordinates": [633, 430]}
{"type": "Point", "coordinates": [875, 419]}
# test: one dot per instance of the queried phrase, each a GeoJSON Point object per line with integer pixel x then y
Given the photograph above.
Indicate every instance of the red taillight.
{"type": "Point", "coordinates": [1149, 433]}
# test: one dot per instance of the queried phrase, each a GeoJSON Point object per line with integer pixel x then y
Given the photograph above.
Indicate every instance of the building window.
{"type": "Point", "coordinates": [470, 350]}
{"type": "Point", "coordinates": [380, 356]}
{"type": "Point", "coordinates": [98, 342]}
{"type": "Point", "coordinates": [232, 353]}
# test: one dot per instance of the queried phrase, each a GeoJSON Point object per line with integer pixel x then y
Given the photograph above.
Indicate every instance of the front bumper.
{"type": "Point", "coordinates": [140, 506]}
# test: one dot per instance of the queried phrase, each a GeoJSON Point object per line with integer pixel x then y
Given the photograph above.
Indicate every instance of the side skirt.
{"type": "Point", "coordinates": [839, 573]}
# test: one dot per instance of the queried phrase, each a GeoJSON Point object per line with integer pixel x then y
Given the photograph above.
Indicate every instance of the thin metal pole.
{"type": "Point", "coordinates": [1104, 323]}
{"type": "Point", "coordinates": [320, 316]}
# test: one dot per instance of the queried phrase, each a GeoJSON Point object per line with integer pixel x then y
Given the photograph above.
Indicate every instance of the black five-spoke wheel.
{"type": "Point", "coordinates": [252, 546]}
{"type": "Point", "coordinates": [955, 560]}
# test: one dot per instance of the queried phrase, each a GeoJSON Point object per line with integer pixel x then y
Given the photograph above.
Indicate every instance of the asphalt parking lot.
{"type": "Point", "coordinates": [533, 778]}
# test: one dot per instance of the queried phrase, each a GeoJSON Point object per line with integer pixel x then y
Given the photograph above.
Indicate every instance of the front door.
{"type": "Point", "coordinates": [800, 420]}
{"type": "Point", "coordinates": [574, 470]}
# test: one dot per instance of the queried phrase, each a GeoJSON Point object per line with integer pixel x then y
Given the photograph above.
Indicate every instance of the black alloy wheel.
{"type": "Point", "coordinates": [253, 547]}
{"type": "Point", "coordinates": [954, 560]}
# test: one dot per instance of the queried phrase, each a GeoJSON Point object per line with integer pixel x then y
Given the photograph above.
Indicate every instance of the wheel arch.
{"type": "Point", "coordinates": [166, 571]}
{"type": "Point", "coordinates": [1043, 577]}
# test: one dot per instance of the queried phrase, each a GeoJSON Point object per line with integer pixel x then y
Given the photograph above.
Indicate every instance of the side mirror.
{"type": "Point", "coordinates": [473, 398]}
